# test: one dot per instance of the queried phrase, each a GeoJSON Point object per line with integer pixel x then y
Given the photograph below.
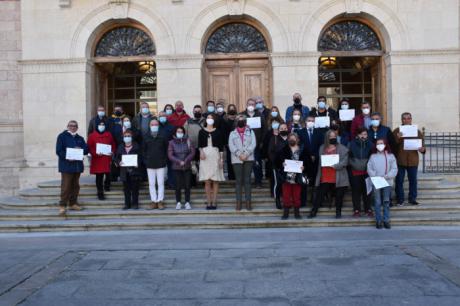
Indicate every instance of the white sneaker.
{"type": "Point", "coordinates": [188, 206]}
{"type": "Point", "coordinates": [178, 206]}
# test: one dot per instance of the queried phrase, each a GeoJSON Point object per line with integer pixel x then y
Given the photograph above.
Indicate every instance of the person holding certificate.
{"type": "Point", "coordinates": [128, 158]}
{"type": "Point", "coordinates": [70, 148]}
{"type": "Point", "coordinates": [294, 160]}
{"type": "Point", "coordinates": [101, 146]}
{"type": "Point", "coordinates": [332, 173]}
{"type": "Point", "coordinates": [242, 143]}
{"type": "Point", "coordinates": [323, 110]}
{"type": "Point", "coordinates": [296, 124]}
{"type": "Point", "coordinates": [408, 159]}
{"type": "Point", "coordinates": [382, 164]}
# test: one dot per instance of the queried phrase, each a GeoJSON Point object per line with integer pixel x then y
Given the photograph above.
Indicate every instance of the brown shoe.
{"type": "Point", "coordinates": [75, 207]}
{"type": "Point", "coordinates": [238, 205]}
{"type": "Point", "coordinates": [248, 205]}
{"type": "Point", "coordinates": [161, 206]}
{"type": "Point", "coordinates": [62, 211]}
{"type": "Point", "coordinates": [154, 205]}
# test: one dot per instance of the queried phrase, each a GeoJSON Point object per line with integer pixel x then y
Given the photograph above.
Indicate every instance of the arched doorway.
{"type": "Point", "coordinates": [125, 69]}
{"type": "Point", "coordinates": [351, 64]}
{"type": "Point", "coordinates": [237, 64]}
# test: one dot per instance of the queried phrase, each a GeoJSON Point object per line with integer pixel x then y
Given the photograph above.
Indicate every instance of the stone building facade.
{"type": "Point", "coordinates": [403, 55]}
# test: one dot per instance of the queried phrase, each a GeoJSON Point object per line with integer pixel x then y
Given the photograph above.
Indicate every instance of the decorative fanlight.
{"type": "Point", "coordinates": [328, 61]}
{"type": "Point", "coordinates": [145, 67]}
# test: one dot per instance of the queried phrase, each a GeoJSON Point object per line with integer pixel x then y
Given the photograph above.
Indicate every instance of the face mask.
{"type": "Point", "coordinates": [154, 128]}
{"type": "Point", "coordinates": [366, 111]}
{"type": "Point", "coordinates": [179, 135]}
{"type": "Point", "coordinates": [375, 122]}
{"type": "Point", "coordinates": [232, 112]}
{"type": "Point", "coordinates": [296, 117]}
{"type": "Point", "coordinates": [101, 114]}
{"type": "Point", "coordinates": [275, 125]}
{"type": "Point", "coordinates": [274, 114]}
{"type": "Point", "coordinates": [333, 141]}
{"type": "Point", "coordinates": [380, 147]}
{"type": "Point", "coordinates": [179, 109]}
{"type": "Point", "coordinates": [322, 104]}
{"type": "Point", "coordinates": [118, 113]}
{"type": "Point", "coordinates": [73, 133]}
{"type": "Point", "coordinates": [163, 119]}
{"type": "Point", "coordinates": [211, 109]}
{"type": "Point", "coordinates": [127, 124]}
{"type": "Point", "coordinates": [127, 139]}
{"type": "Point", "coordinates": [220, 110]}
{"type": "Point", "coordinates": [284, 133]}
{"type": "Point", "coordinates": [250, 108]}
{"type": "Point", "coordinates": [101, 128]}
{"type": "Point", "coordinates": [292, 142]}
{"type": "Point", "coordinates": [210, 121]}
{"type": "Point", "coordinates": [168, 111]}
{"type": "Point", "coordinates": [197, 115]}
{"type": "Point", "coordinates": [310, 125]}
{"type": "Point", "coordinates": [297, 101]}
{"type": "Point", "coordinates": [145, 110]}
{"type": "Point", "coordinates": [345, 106]}
{"type": "Point", "coordinates": [259, 106]}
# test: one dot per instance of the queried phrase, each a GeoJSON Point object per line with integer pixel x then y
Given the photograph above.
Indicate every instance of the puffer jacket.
{"type": "Point", "coordinates": [181, 150]}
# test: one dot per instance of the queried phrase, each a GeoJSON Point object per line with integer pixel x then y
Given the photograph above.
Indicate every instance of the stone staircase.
{"type": "Point", "coordinates": [35, 210]}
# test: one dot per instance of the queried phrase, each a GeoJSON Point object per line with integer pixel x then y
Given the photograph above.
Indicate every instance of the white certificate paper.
{"type": "Point", "coordinates": [412, 144]}
{"type": "Point", "coordinates": [293, 166]}
{"type": "Point", "coordinates": [329, 160]}
{"type": "Point", "coordinates": [408, 130]}
{"type": "Point", "coordinates": [74, 154]}
{"type": "Point", "coordinates": [103, 149]}
{"type": "Point", "coordinates": [346, 114]}
{"type": "Point", "coordinates": [322, 122]}
{"type": "Point", "coordinates": [129, 160]}
{"type": "Point", "coordinates": [379, 182]}
{"type": "Point", "coordinates": [254, 122]}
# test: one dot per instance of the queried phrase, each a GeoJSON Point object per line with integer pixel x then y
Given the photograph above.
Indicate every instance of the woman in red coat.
{"type": "Point", "coordinates": [100, 158]}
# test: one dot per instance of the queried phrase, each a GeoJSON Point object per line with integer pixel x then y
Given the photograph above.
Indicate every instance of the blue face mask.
{"type": "Point", "coordinates": [275, 125]}
{"type": "Point", "coordinates": [163, 119]}
{"type": "Point", "coordinates": [127, 124]}
{"type": "Point", "coordinates": [145, 110]}
{"type": "Point", "coordinates": [154, 128]}
{"type": "Point", "coordinates": [211, 109]}
{"type": "Point", "coordinates": [179, 135]}
{"type": "Point", "coordinates": [322, 104]}
{"type": "Point", "coordinates": [168, 112]}
{"type": "Point", "coordinates": [259, 106]}
{"type": "Point", "coordinates": [127, 139]}
{"type": "Point", "coordinates": [101, 114]}
{"type": "Point", "coordinates": [375, 122]}
{"type": "Point", "coordinates": [101, 128]}
{"type": "Point", "coordinates": [274, 114]}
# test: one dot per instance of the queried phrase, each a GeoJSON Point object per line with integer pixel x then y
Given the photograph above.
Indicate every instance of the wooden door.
{"type": "Point", "coordinates": [236, 80]}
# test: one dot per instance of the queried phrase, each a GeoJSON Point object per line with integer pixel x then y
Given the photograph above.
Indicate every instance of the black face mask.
{"type": "Point", "coordinates": [297, 101]}
{"type": "Point", "coordinates": [241, 124]}
{"type": "Point", "coordinates": [232, 112]}
{"type": "Point", "coordinates": [333, 141]}
{"type": "Point", "coordinates": [197, 115]}
{"type": "Point", "coordinates": [284, 133]}
{"type": "Point", "coordinates": [292, 142]}
{"type": "Point", "coordinates": [118, 113]}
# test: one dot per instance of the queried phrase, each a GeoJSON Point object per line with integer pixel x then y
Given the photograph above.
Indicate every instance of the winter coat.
{"type": "Point", "coordinates": [286, 153]}
{"type": "Point", "coordinates": [135, 173]}
{"type": "Point", "coordinates": [177, 120]}
{"type": "Point", "coordinates": [193, 128]}
{"type": "Point", "coordinates": [290, 110]}
{"type": "Point", "coordinates": [360, 151]}
{"type": "Point", "coordinates": [383, 132]}
{"type": "Point", "coordinates": [341, 173]}
{"type": "Point", "coordinates": [238, 147]}
{"type": "Point", "coordinates": [94, 122]}
{"type": "Point", "coordinates": [259, 132]}
{"type": "Point", "coordinates": [409, 158]}
{"type": "Point", "coordinates": [100, 164]}
{"type": "Point", "coordinates": [384, 165]}
{"type": "Point", "coordinates": [276, 144]}
{"type": "Point", "coordinates": [66, 140]}
{"type": "Point", "coordinates": [181, 150]}
{"type": "Point", "coordinates": [137, 123]}
{"type": "Point", "coordinates": [155, 151]}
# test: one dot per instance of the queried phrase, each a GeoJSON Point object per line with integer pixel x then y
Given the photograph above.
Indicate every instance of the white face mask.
{"type": "Point", "coordinates": [310, 125]}
{"type": "Point", "coordinates": [210, 121]}
{"type": "Point", "coordinates": [366, 111]}
{"type": "Point", "coordinates": [220, 110]}
{"type": "Point", "coordinates": [296, 117]}
{"type": "Point", "coordinates": [250, 108]}
{"type": "Point", "coordinates": [345, 106]}
{"type": "Point", "coordinates": [380, 147]}
{"type": "Point", "coordinates": [127, 124]}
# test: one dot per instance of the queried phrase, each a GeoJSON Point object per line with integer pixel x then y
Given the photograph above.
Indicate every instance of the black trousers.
{"type": "Point", "coordinates": [323, 189]}
{"type": "Point", "coordinates": [359, 191]}
{"type": "Point", "coordinates": [183, 181]}
{"type": "Point", "coordinates": [101, 183]}
{"type": "Point", "coordinates": [114, 172]}
{"type": "Point", "coordinates": [131, 190]}
{"type": "Point", "coordinates": [230, 172]}
{"type": "Point", "coordinates": [277, 186]}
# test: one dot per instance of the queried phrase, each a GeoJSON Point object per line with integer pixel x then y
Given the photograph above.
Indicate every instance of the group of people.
{"type": "Point", "coordinates": [178, 150]}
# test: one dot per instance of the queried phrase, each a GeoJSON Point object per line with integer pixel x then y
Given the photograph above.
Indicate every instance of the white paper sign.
{"type": "Point", "coordinates": [129, 160]}
{"type": "Point", "coordinates": [346, 114]}
{"type": "Point", "coordinates": [379, 182]}
{"type": "Point", "coordinates": [293, 166]}
{"type": "Point", "coordinates": [408, 130]}
{"type": "Point", "coordinates": [329, 160]}
{"type": "Point", "coordinates": [368, 185]}
{"type": "Point", "coordinates": [103, 149]}
{"type": "Point", "coordinates": [74, 154]}
{"type": "Point", "coordinates": [254, 122]}
{"type": "Point", "coordinates": [412, 144]}
{"type": "Point", "coordinates": [322, 122]}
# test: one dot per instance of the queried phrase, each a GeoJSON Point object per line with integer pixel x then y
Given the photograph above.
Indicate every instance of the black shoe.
{"type": "Point", "coordinates": [378, 225]}
{"type": "Point", "coordinates": [313, 213]}
{"type": "Point", "coordinates": [297, 213]}
{"type": "Point", "coordinates": [136, 206]}
{"type": "Point", "coordinates": [338, 214]}
{"type": "Point", "coordinates": [208, 207]}
{"type": "Point", "coordinates": [414, 202]}
{"type": "Point", "coordinates": [285, 213]}
{"type": "Point", "coordinates": [126, 207]}
{"type": "Point", "coordinates": [100, 196]}
{"type": "Point", "coordinates": [387, 225]}
{"type": "Point", "coordinates": [278, 203]}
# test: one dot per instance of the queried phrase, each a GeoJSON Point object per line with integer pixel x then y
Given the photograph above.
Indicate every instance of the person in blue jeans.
{"type": "Point", "coordinates": [382, 164]}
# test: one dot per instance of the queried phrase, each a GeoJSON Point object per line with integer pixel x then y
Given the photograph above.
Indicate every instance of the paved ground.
{"type": "Point", "coordinates": [319, 266]}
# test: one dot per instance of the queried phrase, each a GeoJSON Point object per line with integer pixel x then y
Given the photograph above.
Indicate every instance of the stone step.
{"type": "Point", "coordinates": [95, 213]}
{"type": "Point", "coordinates": [220, 222]}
